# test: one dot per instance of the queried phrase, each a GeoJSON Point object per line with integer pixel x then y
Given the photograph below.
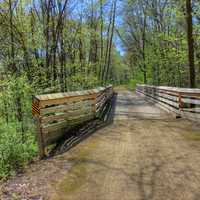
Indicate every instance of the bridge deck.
{"type": "Point", "coordinates": [132, 106]}
{"type": "Point", "coordinates": [144, 155]}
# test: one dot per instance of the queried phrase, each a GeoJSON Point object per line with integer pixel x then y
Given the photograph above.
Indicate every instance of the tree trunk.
{"type": "Point", "coordinates": [13, 67]}
{"type": "Point", "coordinates": [190, 43]}
{"type": "Point", "coordinates": [111, 39]}
{"type": "Point", "coordinates": [143, 51]}
{"type": "Point", "coordinates": [102, 46]}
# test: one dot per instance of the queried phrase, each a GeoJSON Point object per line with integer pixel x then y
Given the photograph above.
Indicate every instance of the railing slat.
{"type": "Point", "coordinates": [56, 113]}
{"type": "Point", "coordinates": [184, 100]}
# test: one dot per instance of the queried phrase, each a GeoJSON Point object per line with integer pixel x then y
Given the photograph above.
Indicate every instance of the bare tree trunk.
{"type": "Point", "coordinates": [111, 40]}
{"type": "Point", "coordinates": [13, 67]}
{"type": "Point", "coordinates": [102, 45]}
{"type": "Point", "coordinates": [47, 35]}
{"type": "Point", "coordinates": [143, 50]}
{"type": "Point", "coordinates": [107, 46]}
{"type": "Point", "coordinates": [190, 44]}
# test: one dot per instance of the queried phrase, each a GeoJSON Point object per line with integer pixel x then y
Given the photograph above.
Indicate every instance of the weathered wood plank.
{"type": "Point", "coordinates": [58, 112]}
{"type": "Point", "coordinates": [80, 113]}
{"type": "Point", "coordinates": [40, 137]}
{"type": "Point", "coordinates": [52, 118]}
{"type": "Point", "coordinates": [54, 126]}
{"type": "Point", "coordinates": [174, 89]}
{"type": "Point", "coordinates": [165, 96]}
{"type": "Point", "coordinates": [160, 104]}
{"type": "Point", "coordinates": [66, 107]}
{"type": "Point", "coordinates": [64, 100]}
{"type": "Point", "coordinates": [51, 137]}
{"type": "Point", "coordinates": [60, 108]}
{"type": "Point", "coordinates": [191, 101]}
{"type": "Point", "coordinates": [172, 103]}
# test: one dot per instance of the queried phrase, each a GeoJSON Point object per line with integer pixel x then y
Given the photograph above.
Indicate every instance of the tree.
{"type": "Point", "coordinates": [190, 41]}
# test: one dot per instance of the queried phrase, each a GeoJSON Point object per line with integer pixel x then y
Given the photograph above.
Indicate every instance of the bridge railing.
{"type": "Point", "coordinates": [56, 113]}
{"type": "Point", "coordinates": [184, 102]}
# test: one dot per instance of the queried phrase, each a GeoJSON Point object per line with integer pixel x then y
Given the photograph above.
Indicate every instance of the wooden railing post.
{"type": "Point", "coordinates": [40, 138]}
{"type": "Point", "coordinates": [95, 101]}
{"type": "Point", "coordinates": [180, 101]}
{"type": "Point", "coordinates": [39, 134]}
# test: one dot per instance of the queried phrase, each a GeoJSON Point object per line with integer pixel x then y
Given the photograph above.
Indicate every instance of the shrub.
{"type": "Point", "coordinates": [14, 154]}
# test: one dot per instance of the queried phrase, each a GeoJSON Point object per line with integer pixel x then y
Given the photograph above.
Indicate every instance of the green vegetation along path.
{"type": "Point", "coordinates": [146, 154]}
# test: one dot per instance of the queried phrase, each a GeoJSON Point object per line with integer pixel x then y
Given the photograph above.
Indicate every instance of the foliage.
{"type": "Point", "coordinates": [155, 41]}
{"type": "Point", "coordinates": [14, 154]}
{"type": "Point", "coordinates": [17, 141]}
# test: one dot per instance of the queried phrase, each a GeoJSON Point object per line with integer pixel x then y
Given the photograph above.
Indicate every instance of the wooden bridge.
{"type": "Point", "coordinates": [143, 153]}
{"type": "Point", "coordinates": [57, 114]}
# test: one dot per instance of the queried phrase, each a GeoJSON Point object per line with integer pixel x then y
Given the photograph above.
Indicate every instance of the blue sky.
{"type": "Point", "coordinates": [80, 6]}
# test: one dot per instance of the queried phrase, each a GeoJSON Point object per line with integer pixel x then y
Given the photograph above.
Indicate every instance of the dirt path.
{"type": "Point", "coordinates": [146, 154]}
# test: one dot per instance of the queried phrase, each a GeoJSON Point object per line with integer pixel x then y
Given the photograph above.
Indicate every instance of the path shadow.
{"type": "Point", "coordinates": [81, 132]}
{"type": "Point", "coordinates": [144, 178]}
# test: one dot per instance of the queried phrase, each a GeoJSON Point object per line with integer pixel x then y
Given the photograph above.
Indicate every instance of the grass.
{"type": "Point", "coordinates": [77, 176]}
{"type": "Point", "coordinates": [194, 136]}
{"type": "Point", "coordinates": [121, 88]}
{"type": "Point", "coordinates": [74, 180]}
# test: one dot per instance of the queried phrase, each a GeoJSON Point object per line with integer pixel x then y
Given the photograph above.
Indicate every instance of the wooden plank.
{"type": "Point", "coordinates": [81, 105]}
{"type": "Point", "coordinates": [55, 126]}
{"type": "Point", "coordinates": [60, 101]}
{"type": "Point", "coordinates": [35, 107]}
{"type": "Point", "coordinates": [166, 96]}
{"type": "Point", "coordinates": [192, 110]}
{"type": "Point", "coordinates": [164, 100]}
{"type": "Point", "coordinates": [173, 89]}
{"type": "Point", "coordinates": [63, 95]}
{"type": "Point", "coordinates": [58, 112]}
{"type": "Point", "coordinates": [161, 105]}
{"type": "Point", "coordinates": [101, 97]}
{"type": "Point", "coordinates": [191, 101]}
{"type": "Point", "coordinates": [63, 108]}
{"type": "Point", "coordinates": [101, 101]}
{"type": "Point", "coordinates": [52, 118]}
{"type": "Point", "coordinates": [191, 113]}
{"type": "Point", "coordinates": [94, 103]}
{"type": "Point", "coordinates": [52, 137]}
{"type": "Point", "coordinates": [60, 108]}
{"type": "Point", "coordinates": [168, 92]}
{"type": "Point", "coordinates": [100, 106]}
{"type": "Point", "coordinates": [77, 117]}
{"type": "Point", "coordinates": [71, 94]}
{"type": "Point", "coordinates": [182, 94]}
{"type": "Point", "coordinates": [100, 93]}
{"type": "Point", "coordinates": [40, 137]}
{"type": "Point", "coordinates": [190, 94]}
{"type": "Point", "coordinates": [77, 121]}
{"type": "Point", "coordinates": [80, 112]}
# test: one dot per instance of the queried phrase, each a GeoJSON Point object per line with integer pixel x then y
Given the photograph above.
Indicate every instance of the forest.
{"type": "Point", "coordinates": [49, 46]}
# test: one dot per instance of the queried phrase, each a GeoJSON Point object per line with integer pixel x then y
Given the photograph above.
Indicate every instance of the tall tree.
{"type": "Point", "coordinates": [190, 40]}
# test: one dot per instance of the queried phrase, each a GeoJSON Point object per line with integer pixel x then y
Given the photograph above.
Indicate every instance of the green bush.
{"type": "Point", "coordinates": [14, 153]}
{"type": "Point", "coordinates": [17, 142]}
